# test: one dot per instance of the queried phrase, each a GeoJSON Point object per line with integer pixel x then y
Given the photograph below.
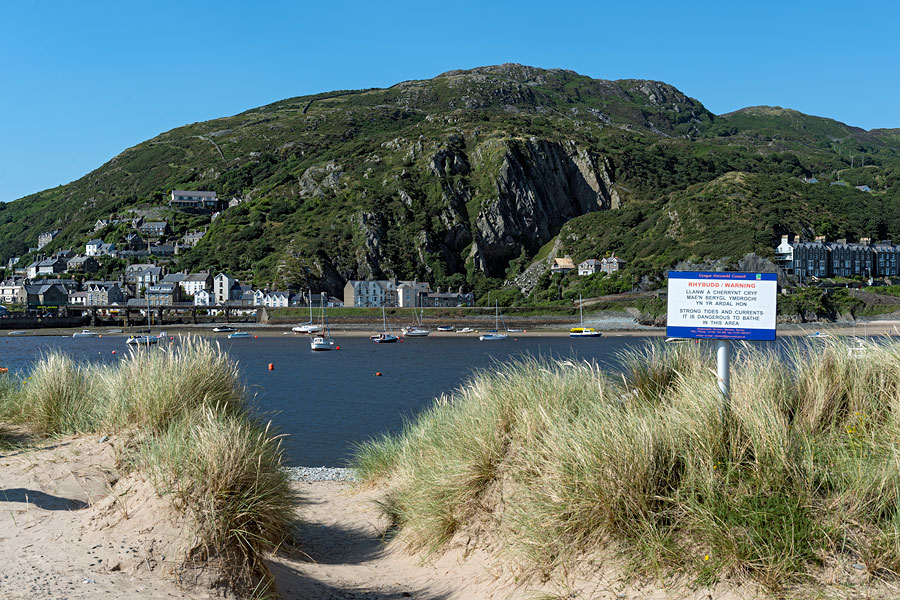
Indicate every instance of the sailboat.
{"type": "Point", "coordinates": [309, 326]}
{"type": "Point", "coordinates": [583, 331]}
{"type": "Point", "coordinates": [495, 335]}
{"type": "Point", "coordinates": [416, 330]}
{"type": "Point", "coordinates": [384, 337]}
{"type": "Point", "coordinates": [323, 341]}
{"type": "Point", "coordinates": [145, 340]}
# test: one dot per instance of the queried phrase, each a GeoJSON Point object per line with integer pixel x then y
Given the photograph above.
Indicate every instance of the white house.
{"type": "Point", "coordinates": [276, 300]}
{"type": "Point", "coordinates": [194, 282]}
{"type": "Point", "coordinates": [259, 297]}
{"type": "Point", "coordinates": [784, 254]}
{"type": "Point", "coordinates": [92, 248]}
{"type": "Point", "coordinates": [364, 293]}
{"type": "Point", "coordinates": [588, 267]}
{"type": "Point", "coordinates": [222, 284]}
{"type": "Point", "coordinates": [203, 298]}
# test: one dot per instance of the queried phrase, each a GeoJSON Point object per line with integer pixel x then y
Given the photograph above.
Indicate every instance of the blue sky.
{"type": "Point", "coordinates": [82, 81]}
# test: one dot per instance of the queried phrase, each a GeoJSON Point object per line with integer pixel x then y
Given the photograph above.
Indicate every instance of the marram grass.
{"type": "Point", "coordinates": [184, 410]}
{"type": "Point", "coordinates": [558, 460]}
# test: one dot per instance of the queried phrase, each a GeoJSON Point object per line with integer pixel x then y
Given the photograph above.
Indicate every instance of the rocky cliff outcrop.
{"type": "Point", "coordinates": [539, 186]}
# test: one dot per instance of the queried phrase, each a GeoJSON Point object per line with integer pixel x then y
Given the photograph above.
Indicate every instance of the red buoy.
{"type": "Point", "coordinates": [378, 374]}
{"type": "Point", "coordinates": [114, 351]}
{"type": "Point", "coordinates": [255, 337]}
{"type": "Point", "coordinates": [271, 366]}
{"type": "Point", "coordinates": [337, 348]}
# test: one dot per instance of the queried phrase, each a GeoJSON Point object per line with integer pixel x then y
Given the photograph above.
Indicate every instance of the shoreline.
{"type": "Point", "coordinates": [867, 329]}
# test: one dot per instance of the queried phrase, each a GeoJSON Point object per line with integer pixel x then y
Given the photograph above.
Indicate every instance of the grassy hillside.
{"type": "Point", "coordinates": [407, 181]}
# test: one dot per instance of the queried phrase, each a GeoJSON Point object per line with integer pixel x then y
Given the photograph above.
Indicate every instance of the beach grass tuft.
{"type": "Point", "coordinates": [185, 414]}
{"type": "Point", "coordinates": [561, 460]}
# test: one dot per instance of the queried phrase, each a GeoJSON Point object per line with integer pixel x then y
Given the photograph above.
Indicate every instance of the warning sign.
{"type": "Point", "coordinates": [721, 305]}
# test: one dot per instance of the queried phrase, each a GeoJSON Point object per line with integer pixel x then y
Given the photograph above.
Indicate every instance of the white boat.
{"type": "Point", "coordinates": [224, 329]}
{"type": "Point", "coordinates": [113, 331]}
{"type": "Point", "coordinates": [495, 335]}
{"type": "Point", "coordinates": [85, 333]}
{"type": "Point", "coordinates": [308, 327]}
{"type": "Point", "coordinates": [492, 337]}
{"type": "Point", "coordinates": [324, 341]}
{"type": "Point", "coordinates": [582, 331]}
{"type": "Point", "coordinates": [17, 333]}
{"type": "Point", "coordinates": [446, 328]}
{"type": "Point", "coordinates": [416, 330]}
{"type": "Point", "coordinates": [465, 330]}
{"type": "Point", "coordinates": [238, 334]}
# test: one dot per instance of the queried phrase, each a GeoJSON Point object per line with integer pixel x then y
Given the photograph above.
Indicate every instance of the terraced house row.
{"type": "Point", "coordinates": [820, 258]}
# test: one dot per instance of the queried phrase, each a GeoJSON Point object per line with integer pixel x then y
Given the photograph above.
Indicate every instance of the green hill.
{"type": "Point", "coordinates": [461, 179]}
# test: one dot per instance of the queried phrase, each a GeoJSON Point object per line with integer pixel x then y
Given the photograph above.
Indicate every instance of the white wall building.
{"type": "Point", "coordinates": [203, 298]}
{"type": "Point", "coordinates": [222, 287]}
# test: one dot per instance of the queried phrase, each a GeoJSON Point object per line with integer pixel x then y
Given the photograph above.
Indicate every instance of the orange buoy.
{"type": "Point", "coordinates": [271, 366]}
{"type": "Point", "coordinates": [378, 374]}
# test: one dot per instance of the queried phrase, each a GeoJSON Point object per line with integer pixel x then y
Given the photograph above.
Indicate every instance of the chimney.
{"type": "Point", "coordinates": [784, 239]}
{"type": "Point", "coordinates": [842, 241]}
{"type": "Point", "coordinates": [820, 238]}
{"type": "Point", "coordinates": [865, 241]}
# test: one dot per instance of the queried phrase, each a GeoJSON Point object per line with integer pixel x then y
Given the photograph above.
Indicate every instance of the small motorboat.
{"type": "Point", "coordinates": [224, 329]}
{"type": "Point", "coordinates": [319, 343]}
{"type": "Point", "coordinates": [142, 340]}
{"type": "Point", "coordinates": [584, 332]}
{"type": "Point", "coordinates": [446, 328]}
{"type": "Point", "coordinates": [308, 328]}
{"type": "Point", "coordinates": [384, 338]}
{"type": "Point", "coordinates": [493, 337]}
{"type": "Point", "coordinates": [85, 333]}
{"type": "Point", "coordinates": [465, 330]}
{"type": "Point", "coordinates": [17, 333]}
{"type": "Point", "coordinates": [238, 334]}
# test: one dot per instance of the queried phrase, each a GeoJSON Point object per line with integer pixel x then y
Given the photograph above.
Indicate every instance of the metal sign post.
{"type": "Point", "coordinates": [723, 362]}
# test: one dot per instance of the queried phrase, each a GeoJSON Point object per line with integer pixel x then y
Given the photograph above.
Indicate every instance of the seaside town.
{"type": "Point", "coordinates": [65, 282]}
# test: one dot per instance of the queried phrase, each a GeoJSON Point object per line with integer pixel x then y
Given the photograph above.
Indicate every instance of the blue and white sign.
{"type": "Point", "coordinates": [722, 305]}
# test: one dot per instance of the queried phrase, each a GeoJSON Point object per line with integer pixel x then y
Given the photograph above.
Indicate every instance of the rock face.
{"type": "Point", "coordinates": [540, 185]}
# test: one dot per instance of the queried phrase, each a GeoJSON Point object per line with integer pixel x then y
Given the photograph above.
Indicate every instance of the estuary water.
{"type": "Point", "coordinates": [328, 401]}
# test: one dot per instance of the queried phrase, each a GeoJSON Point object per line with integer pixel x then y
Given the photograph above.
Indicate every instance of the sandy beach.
{"type": "Point", "coordinates": [73, 528]}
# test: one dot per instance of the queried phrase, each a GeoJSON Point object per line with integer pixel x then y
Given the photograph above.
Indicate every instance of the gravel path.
{"type": "Point", "coordinates": [320, 474]}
